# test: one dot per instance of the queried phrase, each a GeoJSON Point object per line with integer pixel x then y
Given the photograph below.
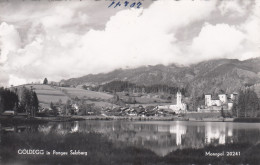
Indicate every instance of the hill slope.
{"type": "Point", "coordinates": [47, 94]}
{"type": "Point", "coordinates": [208, 76]}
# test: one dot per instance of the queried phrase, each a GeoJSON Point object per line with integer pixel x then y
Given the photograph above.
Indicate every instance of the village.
{"type": "Point", "coordinates": [118, 106]}
{"type": "Point", "coordinates": [57, 101]}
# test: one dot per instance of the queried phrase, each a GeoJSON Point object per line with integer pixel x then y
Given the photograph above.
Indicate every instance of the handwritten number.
{"type": "Point", "coordinates": [139, 4]}
{"type": "Point", "coordinates": [126, 3]}
{"type": "Point", "coordinates": [118, 4]}
{"type": "Point", "coordinates": [132, 5]}
{"type": "Point", "coordinates": [111, 4]}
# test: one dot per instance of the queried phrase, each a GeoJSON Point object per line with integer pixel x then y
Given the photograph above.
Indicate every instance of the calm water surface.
{"type": "Point", "coordinates": [160, 137]}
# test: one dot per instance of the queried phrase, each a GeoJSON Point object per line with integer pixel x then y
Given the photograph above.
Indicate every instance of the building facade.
{"type": "Point", "coordinates": [223, 100]}
{"type": "Point", "coordinates": [179, 107]}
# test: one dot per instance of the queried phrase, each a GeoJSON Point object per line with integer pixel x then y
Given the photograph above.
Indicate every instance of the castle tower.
{"type": "Point", "coordinates": [207, 100]}
{"type": "Point", "coordinates": [178, 98]}
{"type": "Point", "coordinates": [223, 98]}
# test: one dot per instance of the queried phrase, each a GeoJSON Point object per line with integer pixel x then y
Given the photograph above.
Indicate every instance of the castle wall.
{"type": "Point", "coordinates": [223, 98]}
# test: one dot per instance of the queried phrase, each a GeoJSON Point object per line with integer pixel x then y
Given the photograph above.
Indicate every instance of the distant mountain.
{"type": "Point", "coordinates": [226, 75]}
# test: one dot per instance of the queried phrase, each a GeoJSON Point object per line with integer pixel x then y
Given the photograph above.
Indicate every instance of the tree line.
{"type": "Point", "coordinates": [27, 102]}
{"type": "Point", "coordinates": [8, 100]}
{"type": "Point", "coordinates": [125, 86]}
{"type": "Point", "coordinates": [247, 104]}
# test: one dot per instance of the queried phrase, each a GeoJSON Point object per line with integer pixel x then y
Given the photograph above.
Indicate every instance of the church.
{"type": "Point", "coordinates": [179, 107]}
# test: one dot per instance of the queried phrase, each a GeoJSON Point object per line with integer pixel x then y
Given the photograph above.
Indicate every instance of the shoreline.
{"type": "Point", "coordinates": [43, 120]}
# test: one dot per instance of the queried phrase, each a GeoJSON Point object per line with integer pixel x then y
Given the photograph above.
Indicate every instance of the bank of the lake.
{"type": "Point", "coordinates": [153, 118]}
{"type": "Point", "coordinates": [132, 118]}
{"type": "Point", "coordinates": [36, 120]}
{"type": "Point", "coordinates": [40, 120]}
{"type": "Point", "coordinates": [247, 120]}
{"type": "Point", "coordinates": [21, 120]}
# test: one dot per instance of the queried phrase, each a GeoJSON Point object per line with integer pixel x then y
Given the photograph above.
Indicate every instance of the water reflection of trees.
{"type": "Point", "coordinates": [161, 138]}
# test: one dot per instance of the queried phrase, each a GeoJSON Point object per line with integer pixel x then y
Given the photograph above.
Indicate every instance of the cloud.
{"type": "Point", "coordinates": [252, 25]}
{"type": "Point", "coordinates": [60, 17]}
{"type": "Point", "coordinates": [131, 38]}
{"type": "Point", "coordinates": [219, 41]}
{"type": "Point", "coordinates": [4, 78]}
{"type": "Point", "coordinates": [61, 41]}
{"type": "Point", "coordinates": [9, 40]}
{"type": "Point", "coordinates": [234, 8]}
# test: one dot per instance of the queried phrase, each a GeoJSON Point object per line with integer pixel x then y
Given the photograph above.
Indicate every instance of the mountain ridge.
{"type": "Point", "coordinates": [207, 76]}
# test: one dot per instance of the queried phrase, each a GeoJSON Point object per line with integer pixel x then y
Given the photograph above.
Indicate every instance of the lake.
{"type": "Point", "coordinates": [134, 142]}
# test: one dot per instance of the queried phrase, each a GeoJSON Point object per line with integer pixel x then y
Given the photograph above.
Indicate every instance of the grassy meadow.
{"type": "Point", "coordinates": [47, 94]}
{"type": "Point", "coordinates": [82, 93]}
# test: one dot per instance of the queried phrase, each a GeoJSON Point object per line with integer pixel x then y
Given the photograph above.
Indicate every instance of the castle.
{"type": "Point", "coordinates": [223, 101]}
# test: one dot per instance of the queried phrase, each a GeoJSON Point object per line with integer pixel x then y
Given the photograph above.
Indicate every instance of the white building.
{"type": "Point", "coordinates": [223, 99]}
{"type": "Point", "coordinates": [179, 107]}
{"type": "Point", "coordinates": [208, 100]}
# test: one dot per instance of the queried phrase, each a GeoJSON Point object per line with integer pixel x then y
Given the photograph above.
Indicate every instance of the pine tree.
{"type": "Point", "coordinates": [45, 81]}
{"type": "Point", "coordinates": [247, 104]}
{"type": "Point", "coordinates": [1, 104]}
{"type": "Point", "coordinates": [29, 102]}
{"type": "Point", "coordinates": [35, 104]}
{"type": "Point", "coordinates": [25, 101]}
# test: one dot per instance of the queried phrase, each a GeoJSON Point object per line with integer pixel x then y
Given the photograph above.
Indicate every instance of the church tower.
{"type": "Point", "coordinates": [179, 98]}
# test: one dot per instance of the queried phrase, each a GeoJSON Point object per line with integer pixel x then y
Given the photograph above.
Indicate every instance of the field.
{"type": "Point", "coordinates": [47, 94]}
{"type": "Point", "coordinates": [82, 93]}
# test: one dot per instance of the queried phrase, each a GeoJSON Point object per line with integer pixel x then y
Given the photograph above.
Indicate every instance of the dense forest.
{"type": "Point", "coordinates": [247, 104]}
{"type": "Point", "coordinates": [24, 102]}
{"type": "Point", "coordinates": [125, 86]}
{"type": "Point", "coordinates": [29, 103]}
{"type": "Point", "coordinates": [8, 100]}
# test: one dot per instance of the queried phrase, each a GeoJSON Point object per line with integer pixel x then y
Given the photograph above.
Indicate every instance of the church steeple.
{"type": "Point", "coordinates": [179, 96]}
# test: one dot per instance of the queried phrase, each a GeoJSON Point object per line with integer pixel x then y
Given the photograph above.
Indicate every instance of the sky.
{"type": "Point", "coordinates": [67, 39]}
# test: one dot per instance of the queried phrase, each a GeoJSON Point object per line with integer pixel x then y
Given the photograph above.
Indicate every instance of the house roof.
{"type": "Point", "coordinates": [8, 111]}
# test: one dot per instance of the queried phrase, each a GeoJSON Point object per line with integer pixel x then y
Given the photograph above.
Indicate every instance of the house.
{"type": "Point", "coordinates": [9, 113]}
{"type": "Point", "coordinates": [75, 107]}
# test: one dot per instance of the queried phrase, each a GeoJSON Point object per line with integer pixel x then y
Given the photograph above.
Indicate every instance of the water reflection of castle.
{"type": "Point", "coordinates": [218, 135]}
{"type": "Point", "coordinates": [160, 137]}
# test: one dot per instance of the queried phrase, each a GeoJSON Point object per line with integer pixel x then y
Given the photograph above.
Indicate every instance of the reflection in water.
{"type": "Point", "coordinates": [160, 137]}
{"type": "Point", "coordinates": [75, 127]}
{"type": "Point", "coordinates": [179, 130]}
{"type": "Point", "coordinates": [214, 133]}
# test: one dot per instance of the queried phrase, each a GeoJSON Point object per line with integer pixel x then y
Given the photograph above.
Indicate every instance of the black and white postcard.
{"type": "Point", "coordinates": [130, 82]}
